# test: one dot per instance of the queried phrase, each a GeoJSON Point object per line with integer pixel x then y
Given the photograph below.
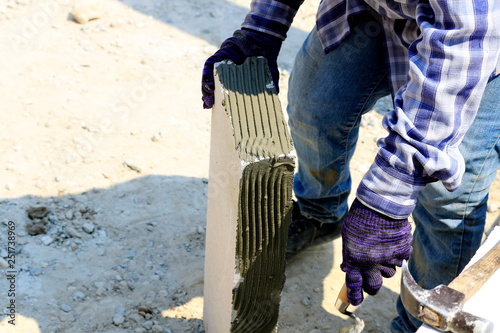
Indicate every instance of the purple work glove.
{"type": "Point", "coordinates": [372, 246]}
{"type": "Point", "coordinates": [244, 43]}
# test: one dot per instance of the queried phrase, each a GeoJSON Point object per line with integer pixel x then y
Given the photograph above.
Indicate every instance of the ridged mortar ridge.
{"type": "Point", "coordinates": [264, 214]}
{"type": "Point", "coordinates": [251, 102]}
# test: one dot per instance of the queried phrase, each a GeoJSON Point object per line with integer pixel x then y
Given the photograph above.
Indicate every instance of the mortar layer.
{"type": "Point", "coordinates": [264, 214]}
{"type": "Point", "coordinates": [255, 111]}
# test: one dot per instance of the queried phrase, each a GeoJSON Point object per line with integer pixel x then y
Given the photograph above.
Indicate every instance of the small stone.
{"type": "Point", "coordinates": [65, 307]}
{"type": "Point", "coordinates": [36, 213]}
{"type": "Point", "coordinates": [306, 301]}
{"type": "Point", "coordinates": [120, 310]}
{"type": "Point", "coordinates": [47, 240]}
{"type": "Point", "coordinates": [88, 227]}
{"type": "Point", "coordinates": [36, 228]}
{"type": "Point", "coordinates": [148, 324]}
{"type": "Point", "coordinates": [78, 296]}
{"type": "Point", "coordinates": [145, 309]}
{"type": "Point", "coordinates": [53, 218]}
{"type": "Point", "coordinates": [135, 317]}
{"type": "Point", "coordinates": [72, 232]}
{"type": "Point", "coordinates": [118, 319]}
{"type": "Point", "coordinates": [85, 12]}
{"type": "Point", "coordinates": [132, 166]}
{"type": "Point", "coordinates": [36, 271]}
{"type": "Point", "coordinates": [69, 214]}
{"type": "Point", "coordinates": [157, 137]}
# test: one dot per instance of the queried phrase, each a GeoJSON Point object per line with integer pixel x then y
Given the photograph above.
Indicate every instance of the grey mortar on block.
{"type": "Point", "coordinates": [250, 197]}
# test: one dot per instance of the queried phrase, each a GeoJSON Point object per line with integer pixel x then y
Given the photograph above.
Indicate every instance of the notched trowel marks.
{"type": "Point", "coordinates": [264, 213]}
{"type": "Point", "coordinates": [260, 130]}
{"type": "Point", "coordinates": [264, 146]}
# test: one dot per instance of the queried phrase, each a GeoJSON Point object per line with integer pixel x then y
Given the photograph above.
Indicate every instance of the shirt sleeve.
{"type": "Point", "coordinates": [450, 62]}
{"type": "Point", "coordinates": [273, 17]}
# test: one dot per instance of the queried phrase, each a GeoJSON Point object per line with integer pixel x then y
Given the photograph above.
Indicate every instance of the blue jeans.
{"type": "Point", "coordinates": [327, 96]}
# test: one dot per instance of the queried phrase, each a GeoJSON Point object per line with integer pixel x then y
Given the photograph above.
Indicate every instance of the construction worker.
{"type": "Point", "coordinates": [439, 60]}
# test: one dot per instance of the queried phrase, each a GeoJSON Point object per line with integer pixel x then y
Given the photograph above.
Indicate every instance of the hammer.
{"type": "Point", "coordinates": [441, 307]}
{"type": "Point", "coordinates": [342, 304]}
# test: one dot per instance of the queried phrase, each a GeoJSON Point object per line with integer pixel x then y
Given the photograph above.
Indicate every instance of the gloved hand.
{"type": "Point", "coordinates": [244, 43]}
{"type": "Point", "coordinates": [372, 246]}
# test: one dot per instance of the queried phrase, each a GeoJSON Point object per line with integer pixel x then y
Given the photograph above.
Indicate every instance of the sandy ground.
{"type": "Point", "coordinates": [104, 164]}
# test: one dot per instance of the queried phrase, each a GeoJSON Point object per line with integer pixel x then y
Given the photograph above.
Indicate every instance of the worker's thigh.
{"type": "Point", "coordinates": [449, 226]}
{"type": "Point", "coordinates": [327, 95]}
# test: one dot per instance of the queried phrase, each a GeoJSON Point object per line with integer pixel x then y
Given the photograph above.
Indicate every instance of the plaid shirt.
{"type": "Point", "coordinates": [440, 57]}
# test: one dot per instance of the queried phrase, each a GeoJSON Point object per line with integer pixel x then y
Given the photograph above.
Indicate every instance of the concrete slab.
{"type": "Point", "coordinates": [249, 202]}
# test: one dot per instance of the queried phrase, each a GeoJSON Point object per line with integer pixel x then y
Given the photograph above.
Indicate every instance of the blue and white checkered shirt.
{"type": "Point", "coordinates": [441, 54]}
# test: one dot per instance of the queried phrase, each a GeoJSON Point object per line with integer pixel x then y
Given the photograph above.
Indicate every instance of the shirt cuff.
{"type": "Point", "coordinates": [388, 191]}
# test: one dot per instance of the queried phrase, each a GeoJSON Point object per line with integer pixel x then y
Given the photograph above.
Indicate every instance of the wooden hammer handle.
{"type": "Point", "coordinates": [342, 304]}
{"type": "Point", "coordinates": [475, 276]}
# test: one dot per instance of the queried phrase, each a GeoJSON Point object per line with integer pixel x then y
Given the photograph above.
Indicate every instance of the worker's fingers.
{"type": "Point", "coordinates": [372, 280]}
{"type": "Point", "coordinates": [228, 52]}
{"type": "Point", "coordinates": [387, 271]}
{"type": "Point", "coordinates": [207, 78]}
{"type": "Point", "coordinates": [354, 283]}
{"type": "Point", "coordinates": [403, 254]}
{"type": "Point", "coordinates": [207, 89]}
{"type": "Point", "coordinates": [208, 84]}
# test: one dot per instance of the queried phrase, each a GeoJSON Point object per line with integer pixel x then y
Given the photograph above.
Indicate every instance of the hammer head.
{"type": "Point", "coordinates": [440, 308]}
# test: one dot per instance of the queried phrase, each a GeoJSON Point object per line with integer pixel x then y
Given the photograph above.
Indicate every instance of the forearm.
{"type": "Point", "coordinates": [272, 17]}
{"type": "Point", "coordinates": [450, 64]}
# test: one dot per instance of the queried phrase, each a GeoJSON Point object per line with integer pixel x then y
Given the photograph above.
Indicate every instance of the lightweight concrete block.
{"type": "Point", "coordinates": [249, 202]}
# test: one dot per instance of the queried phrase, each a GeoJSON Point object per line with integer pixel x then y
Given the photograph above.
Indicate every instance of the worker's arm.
{"type": "Point", "coordinates": [451, 62]}
{"type": "Point", "coordinates": [272, 17]}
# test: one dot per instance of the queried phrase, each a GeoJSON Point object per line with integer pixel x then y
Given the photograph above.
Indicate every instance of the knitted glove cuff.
{"type": "Point", "coordinates": [372, 218]}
